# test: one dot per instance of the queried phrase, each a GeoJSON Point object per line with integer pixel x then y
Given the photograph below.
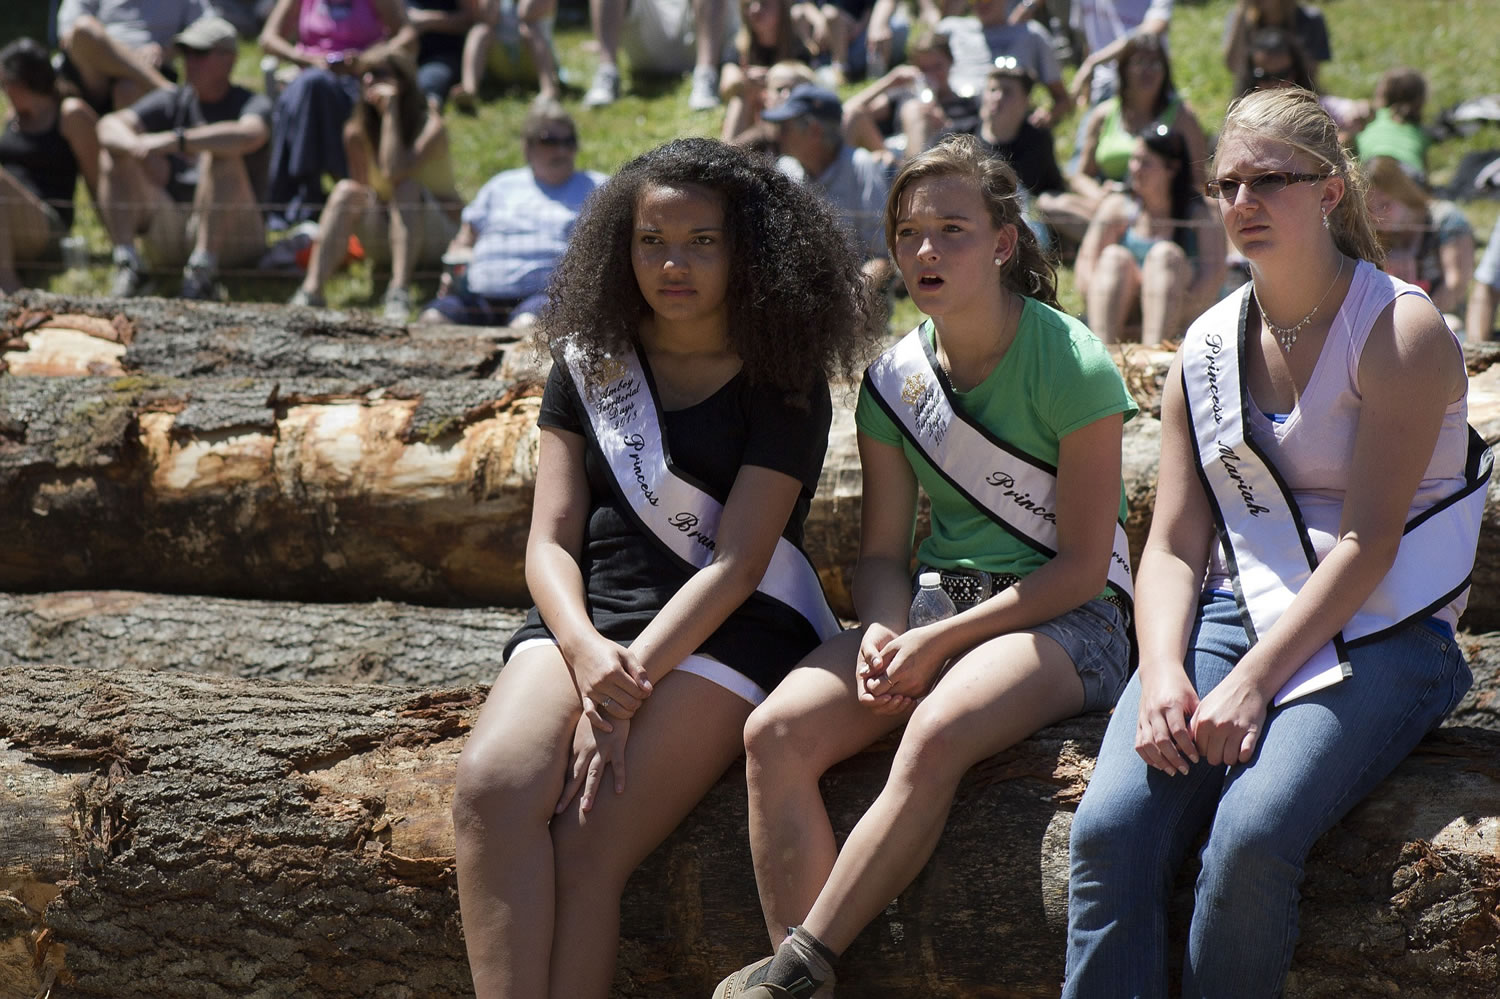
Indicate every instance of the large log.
{"type": "Point", "coordinates": [380, 642]}
{"type": "Point", "coordinates": [419, 489]}
{"type": "Point", "coordinates": [163, 834]}
{"type": "Point", "coordinates": [53, 335]}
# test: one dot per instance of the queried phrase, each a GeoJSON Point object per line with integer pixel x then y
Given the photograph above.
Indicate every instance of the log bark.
{"type": "Point", "coordinates": [418, 489]}
{"type": "Point", "coordinates": [53, 335]}
{"type": "Point", "coordinates": [381, 642]}
{"type": "Point", "coordinates": [163, 834]}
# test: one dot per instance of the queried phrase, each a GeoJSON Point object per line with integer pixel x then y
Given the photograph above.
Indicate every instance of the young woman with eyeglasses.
{"type": "Point", "coordinates": [1285, 666]}
{"type": "Point", "coordinates": [1155, 249]}
{"type": "Point", "coordinates": [704, 304]}
{"type": "Point", "coordinates": [400, 198]}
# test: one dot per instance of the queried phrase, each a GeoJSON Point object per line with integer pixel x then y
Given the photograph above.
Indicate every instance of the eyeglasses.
{"type": "Point", "coordinates": [1228, 188]}
{"type": "Point", "coordinates": [556, 140]}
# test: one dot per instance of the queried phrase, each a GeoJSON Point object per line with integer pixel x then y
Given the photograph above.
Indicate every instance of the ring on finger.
{"type": "Point", "coordinates": [604, 703]}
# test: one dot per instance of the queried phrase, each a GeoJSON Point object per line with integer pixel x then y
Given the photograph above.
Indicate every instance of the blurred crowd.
{"type": "Point", "coordinates": [343, 152]}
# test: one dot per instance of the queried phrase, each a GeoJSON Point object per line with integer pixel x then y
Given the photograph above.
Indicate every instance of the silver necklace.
{"type": "Point", "coordinates": [1287, 335]}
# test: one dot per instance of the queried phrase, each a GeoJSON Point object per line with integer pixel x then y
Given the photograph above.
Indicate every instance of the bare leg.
{"type": "Point", "coordinates": [1111, 292]}
{"type": "Point", "coordinates": [1479, 324]}
{"type": "Point", "coordinates": [1165, 280]}
{"type": "Point", "coordinates": [24, 229]}
{"type": "Point", "coordinates": [346, 205]}
{"type": "Point", "coordinates": [682, 740]}
{"type": "Point", "coordinates": [407, 207]}
{"type": "Point", "coordinates": [129, 192]}
{"type": "Point", "coordinates": [708, 22]}
{"type": "Point", "coordinates": [510, 776]}
{"type": "Point", "coordinates": [230, 225]}
{"type": "Point", "coordinates": [917, 123]}
{"type": "Point", "coordinates": [101, 61]}
{"type": "Point", "coordinates": [996, 695]}
{"type": "Point", "coordinates": [811, 721]}
{"type": "Point", "coordinates": [609, 19]}
{"type": "Point", "coordinates": [534, 17]}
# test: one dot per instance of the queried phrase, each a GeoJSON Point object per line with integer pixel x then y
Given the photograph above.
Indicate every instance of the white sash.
{"type": "Point", "coordinates": [1016, 490]}
{"type": "Point", "coordinates": [625, 423]}
{"type": "Point", "coordinates": [1261, 528]}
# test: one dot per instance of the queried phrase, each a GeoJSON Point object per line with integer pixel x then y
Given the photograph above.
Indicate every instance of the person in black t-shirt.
{"type": "Point", "coordinates": [45, 144]}
{"type": "Point", "coordinates": [183, 168]}
{"type": "Point", "coordinates": [1006, 131]}
{"type": "Point", "coordinates": [738, 293]}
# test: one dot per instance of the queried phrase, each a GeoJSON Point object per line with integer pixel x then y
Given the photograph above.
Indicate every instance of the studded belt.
{"type": "Point", "coordinates": [974, 586]}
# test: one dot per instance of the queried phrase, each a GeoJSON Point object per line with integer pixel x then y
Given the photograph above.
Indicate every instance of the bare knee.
{"type": "Point", "coordinates": [86, 31]}
{"type": "Point", "coordinates": [930, 747]}
{"type": "Point", "coordinates": [1165, 267]}
{"type": "Point", "coordinates": [779, 739]}
{"type": "Point", "coordinates": [498, 788]}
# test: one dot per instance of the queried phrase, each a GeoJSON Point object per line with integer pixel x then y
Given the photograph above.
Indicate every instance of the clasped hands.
{"type": "Point", "coordinates": [894, 671]}
{"type": "Point", "coordinates": [612, 684]}
{"type": "Point", "coordinates": [1174, 728]}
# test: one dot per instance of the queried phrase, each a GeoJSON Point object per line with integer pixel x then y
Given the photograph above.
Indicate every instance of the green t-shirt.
{"type": "Point", "coordinates": [1403, 141]}
{"type": "Point", "coordinates": [1055, 378]}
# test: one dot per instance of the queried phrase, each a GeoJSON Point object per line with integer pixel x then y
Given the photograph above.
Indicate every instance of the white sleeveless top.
{"type": "Point", "coordinates": [1314, 448]}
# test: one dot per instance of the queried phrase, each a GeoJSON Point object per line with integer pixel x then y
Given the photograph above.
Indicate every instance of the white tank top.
{"type": "Point", "coordinates": [1314, 448]}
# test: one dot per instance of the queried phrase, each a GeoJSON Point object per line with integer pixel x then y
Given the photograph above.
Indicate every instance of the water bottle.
{"type": "Point", "coordinates": [931, 604]}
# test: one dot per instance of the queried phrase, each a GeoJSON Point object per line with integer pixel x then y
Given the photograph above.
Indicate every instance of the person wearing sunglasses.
{"type": "Point", "coordinates": [400, 200]}
{"type": "Point", "coordinates": [515, 230]}
{"type": "Point", "coordinates": [1153, 251]}
{"type": "Point", "coordinates": [1294, 615]}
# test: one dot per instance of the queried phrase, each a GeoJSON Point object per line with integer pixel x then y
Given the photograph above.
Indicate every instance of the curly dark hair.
{"type": "Point", "coordinates": [799, 308]}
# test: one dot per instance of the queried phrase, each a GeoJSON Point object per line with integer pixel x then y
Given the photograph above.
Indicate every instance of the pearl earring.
{"type": "Point", "coordinates": [999, 261]}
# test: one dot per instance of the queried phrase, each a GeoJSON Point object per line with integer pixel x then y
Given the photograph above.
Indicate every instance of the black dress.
{"type": "Point", "coordinates": [628, 577]}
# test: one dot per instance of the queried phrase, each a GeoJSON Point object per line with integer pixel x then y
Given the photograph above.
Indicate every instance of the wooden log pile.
{"type": "Point", "coordinates": [216, 782]}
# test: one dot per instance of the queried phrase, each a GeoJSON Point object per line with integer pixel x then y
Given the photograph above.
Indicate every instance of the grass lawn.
{"type": "Point", "coordinates": [1452, 41]}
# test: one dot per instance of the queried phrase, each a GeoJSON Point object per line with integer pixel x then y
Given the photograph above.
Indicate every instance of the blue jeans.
{"type": "Point", "coordinates": [1317, 757]}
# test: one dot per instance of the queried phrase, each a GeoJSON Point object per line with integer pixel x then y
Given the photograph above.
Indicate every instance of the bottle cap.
{"type": "Point", "coordinates": [930, 580]}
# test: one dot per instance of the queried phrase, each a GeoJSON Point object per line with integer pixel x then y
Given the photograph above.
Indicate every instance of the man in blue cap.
{"type": "Point", "coordinates": [810, 132]}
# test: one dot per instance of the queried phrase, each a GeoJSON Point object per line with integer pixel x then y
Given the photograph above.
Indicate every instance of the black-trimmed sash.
{"type": "Point", "coordinates": [1016, 490]}
{"type": "Point", "coordinates": [1264, 537]}
{"type": "Point", "coordinates": [679, 514]}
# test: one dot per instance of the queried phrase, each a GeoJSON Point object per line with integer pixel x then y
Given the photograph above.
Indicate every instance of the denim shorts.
{"type": "Point", "coordinates": [1095, 637]}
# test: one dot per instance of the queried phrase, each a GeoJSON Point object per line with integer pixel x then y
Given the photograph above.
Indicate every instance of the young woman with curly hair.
{"type": "Point", "coordinates": [702, 307]}
{"type": "Point", "coordinates": [971, 406]}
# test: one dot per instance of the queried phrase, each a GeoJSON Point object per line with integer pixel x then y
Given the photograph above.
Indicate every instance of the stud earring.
{"type": "Point", "coordinates": [999, 261]}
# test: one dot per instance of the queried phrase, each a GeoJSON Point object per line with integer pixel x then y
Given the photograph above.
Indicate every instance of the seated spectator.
{"type": "Point", "coordinates": [1484, 294]}
{"type": "Point", "coordinates": [442, 27]}
{"type": "Point", "coordinates": [333, 41]}
{"type": "Point", "coordinates": [1156, 248]}
{"type": "Point", "coordinates": [1274, 59]}
{"type": "Point", "coordinates": [183, 169]}
{"type": "Point", "coordinates": [1396, 130]}
{"type": "Point", "coordinates": [1304, 23]}
{"type": "Point", "coordinates": [1147, 98]}
{"type": "Point", "coordinates": [920, 97]}
{"type": "Point", "coordinates": [116, 51]}
{"type": "Point", "coordinates": [399, 198]}
{"type": "Point", "coordinates": [1106, 28]}
{"type": "Point", "coordinates": [809, 131]}
{"type": "Point", "coordinates": [977, 41]}
{"type": "Point", "coordinates": [1005, 132]}
{"type": "Point", "coordinates": [771, 32]}
{"type": "Point", "coordinates": [780, 80]}
{"type": "Point", "coordinates": [517, 228]}
{"type": "Point", "coordinates": [47, 142]}
{"type": "Point", "coordinates": [665, 37]}
{"type": "Point", "coordinates": [858, 33]}
{"type": "Point", "coordinates": [1427, 242]}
